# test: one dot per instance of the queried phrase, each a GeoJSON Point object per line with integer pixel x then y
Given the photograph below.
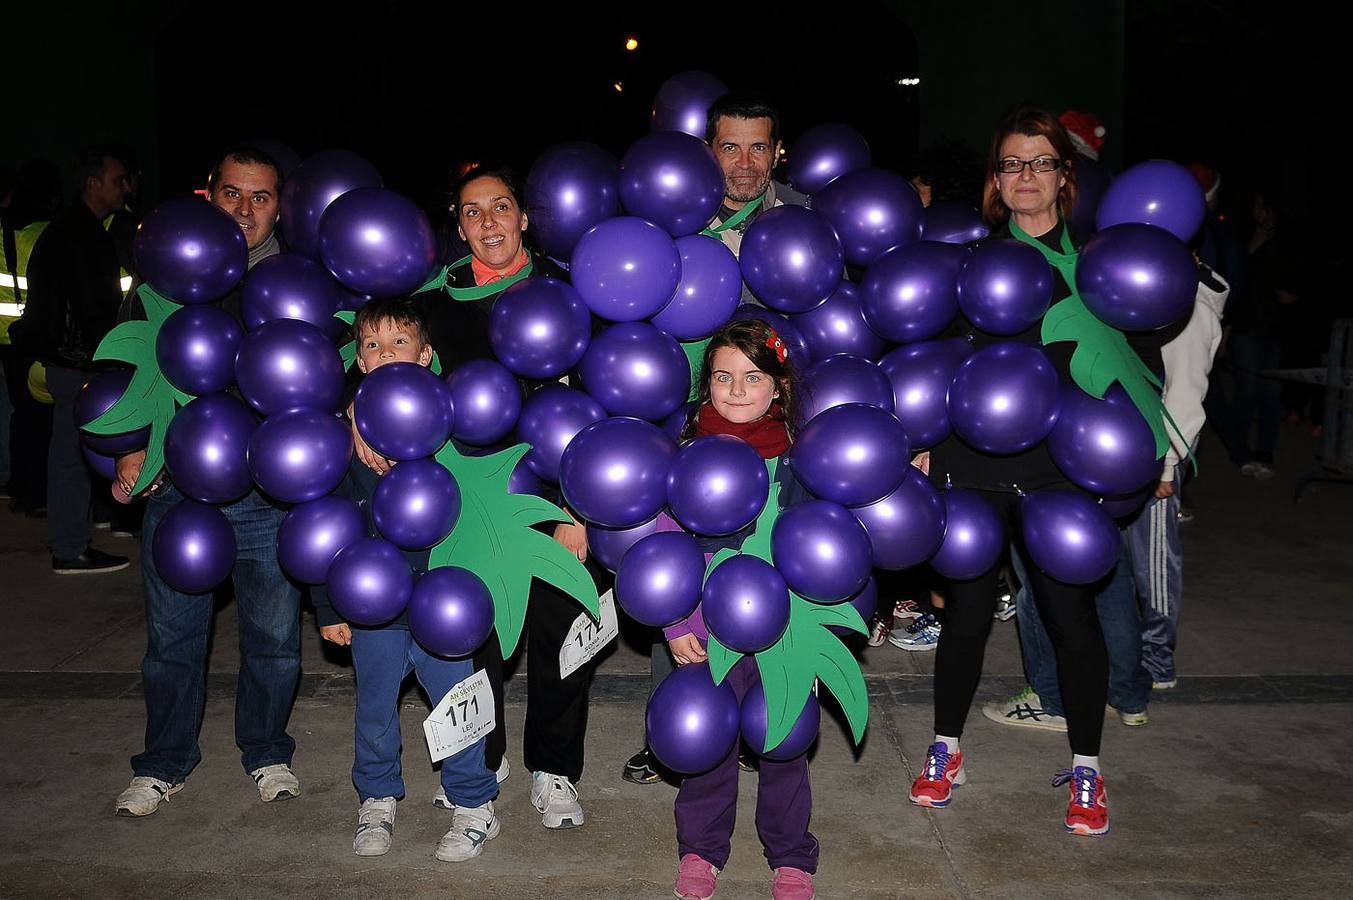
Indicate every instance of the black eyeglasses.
{"type": "Point", "coordinates": [1013, 165]}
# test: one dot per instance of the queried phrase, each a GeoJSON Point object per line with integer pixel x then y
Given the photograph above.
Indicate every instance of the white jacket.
{"type": "Point", "coordinates": [1188, 362]}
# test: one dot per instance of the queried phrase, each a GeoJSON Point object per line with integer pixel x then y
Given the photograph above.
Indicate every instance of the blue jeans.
{"type": "Point", "coordinates": [178, 625]}
{"type": "Point", "coordinates": [67, 477]}
{"type": "Point", "coordinates": [382, 658]}
{"type": "Point", "coordinates": [1158, 568]}
{"type": "Point", "coordinates": [1116, 603]}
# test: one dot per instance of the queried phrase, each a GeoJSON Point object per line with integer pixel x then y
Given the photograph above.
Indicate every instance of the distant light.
{"type": "Point", "coordinates": [907, 82]}
{"type": "Point", "coordinates": [631, 43]}
{"type": "Point", "coordinates": [619, 87]}
{"type": "Point", "coordinates": [782, 151]}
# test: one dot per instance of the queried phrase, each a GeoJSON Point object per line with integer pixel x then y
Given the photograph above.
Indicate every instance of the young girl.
{"type": "Point", "coordinates": [746, 389]}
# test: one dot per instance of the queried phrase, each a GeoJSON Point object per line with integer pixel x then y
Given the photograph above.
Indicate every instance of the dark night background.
{"type": "Point", "coordinates": [419, 87]}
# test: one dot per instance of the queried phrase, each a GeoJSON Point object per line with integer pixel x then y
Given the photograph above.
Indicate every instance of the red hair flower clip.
{"type": "Point", "coordinates": [776, 343]}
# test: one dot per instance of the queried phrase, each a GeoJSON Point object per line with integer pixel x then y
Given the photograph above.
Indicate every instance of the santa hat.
{"type": "Point", "coordinates": [1086, 131]}
{"type": "Point", "coordinates": [1208, 177]}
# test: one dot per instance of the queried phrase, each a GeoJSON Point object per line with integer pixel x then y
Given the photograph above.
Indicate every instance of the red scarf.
{"type": "Point", "coordinates": [767, 434]}
{"type": "Point", "coordinates": [484, 275]}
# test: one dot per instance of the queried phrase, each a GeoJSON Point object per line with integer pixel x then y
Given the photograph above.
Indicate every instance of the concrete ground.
{"type": "Point", "coordinates": [1234, 789]}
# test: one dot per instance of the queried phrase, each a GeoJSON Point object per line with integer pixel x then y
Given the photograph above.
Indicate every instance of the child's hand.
{"type": "Point", "coordinates": [339, 634]}
{"type": "Point", "coordinates": [370, 458]}
{"type": "Point", "coordinates": [573, 536]}
{"type": "Point", "coordinates": [687, 649]}
{"type": "Point", "coordinates": [922, 461]}
{"type": "Point", "coordinates": [129, 469]}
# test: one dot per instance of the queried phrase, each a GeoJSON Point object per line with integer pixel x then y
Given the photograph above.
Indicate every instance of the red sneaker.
{"type": "Point", "coordinates": [791, 884]}
{"type": "Point", "coordinates": [1088, 811]}
{"type": "Point", "coordinates": [695, 878]}
{"type": "Point", "coordinates": [942, 772]}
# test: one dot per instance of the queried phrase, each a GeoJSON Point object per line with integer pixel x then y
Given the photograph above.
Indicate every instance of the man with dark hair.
{"type": "Point", "coordinates": [245, 183]}
{"type": "Point", "coordinates": [73, 295]}
{"type": "Point", "coordinates": [744, 133]}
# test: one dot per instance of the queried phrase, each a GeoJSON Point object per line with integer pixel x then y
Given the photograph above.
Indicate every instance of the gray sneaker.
{"type": "Point", "coordinates": [440, 798]}
{"type": "Point", "coordinates": [375, 827]}
{"type": "Point", "coordinates": [922, 634]}
{"type": "Point", "coordinates": [471, 828]}
{"type": "Point", "coordinates": [276, 782]}
{"type": "Point", "coordinates": [1025, 710]}
{"type": "Point", "coordinates": [556, 799]}
{"type": "Point", "coordinates": [144, 795]}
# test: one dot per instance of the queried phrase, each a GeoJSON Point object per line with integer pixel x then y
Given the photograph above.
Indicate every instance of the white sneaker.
{"type": "Point", "coordinates": [144, 795]}
{"type": "Point", "coordinates": [556, 799]}
{"type": "Point", "coordinates": [471, 828]}
{"type": "Point", "coordinates": [1023, 709]}
{"type": "Point", "coordinates": [276, 782]}
{"type": "Point", "coordinates": [440, 798]}
{"type": "Point", "coordinates": [1166, 685]}
{"type": "Point", "coordinates": [922, 634]}
{"type": "Point", "coordinates": [375, 827]}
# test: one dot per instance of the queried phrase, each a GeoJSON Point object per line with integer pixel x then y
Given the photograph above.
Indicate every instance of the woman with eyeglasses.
{"type": "Point", "coordinates": [1029, 192]}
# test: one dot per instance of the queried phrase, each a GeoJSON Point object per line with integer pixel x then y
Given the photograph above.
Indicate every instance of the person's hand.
{"type": "Point", "coordinates": [922, 462]}
{"type": "Point", "coordinates": [370, 458]}
{"type": "Point", "coordinates": [687, 649]}
{"type": "Point", "coordinates": [339, 634]}
{"type": "Point", "coordinates": [573, 535]}
{"type": "Point", "coordinates": [1164, 489]}
{"type": "Point", "coordinates": [129, 470]}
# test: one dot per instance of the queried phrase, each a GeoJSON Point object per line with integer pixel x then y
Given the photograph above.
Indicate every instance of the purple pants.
{"type": "Point", "coordinates": [707, 804]}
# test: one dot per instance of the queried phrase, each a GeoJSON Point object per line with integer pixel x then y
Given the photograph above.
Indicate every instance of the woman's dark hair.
{"type": "Point", "coordinates": [761, 344]}
{"type": "Point", "coordinates": [507, 176]}
{"type": "Point", "coordinates": [1030, 121]}
{"type": "Point", "coordinates": [399, 310]}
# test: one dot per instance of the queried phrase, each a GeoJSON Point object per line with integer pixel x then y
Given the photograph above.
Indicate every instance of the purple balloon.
{"type": "Point", "coordinates": [625, 268]}
{"type": "Point", "coordinates": [672, 180]}
{"type": "Point", "coordinates": [911, 293]}
{"type": "Point", "coordinates": [524, 480]}
{"type": "Point", "coordinates": [550, 418]}
{"type": "Point", "coordinates": [952, 222]}
{"type": "Point", "coordinates": [1104, 446]}
{"type": "Point", "coordinates": [1069, 536]}
{"type": "Point", "coordinates": [614, 473]}
{"type": "Point", "coordinates": [103, 466]}
{"type": "Point", "coordinates": [974, 537]}
{"type": "Point", "coordinates": [1005, 287]}
{"type": "Point", "coordinates": [608, 546]}
{"type": "Point", "coordinates": [401, 411]}
{"type": "Point", "coordinates": [822, 551]}
{"type": "Point", "coordinates": [571, 187]}
{"type": "Point", "coordinates": [1156, 192]}
{"type": "Point", "coordinates": [100, 392]}
{"type": "Point", "coordinates": [633, 369]}
{"type": "Point", "coordinates": [691, 722]}
{"type": "Point", "coordinates": [708, 292]}
{"type": "Point", "coordinates": [844, 379]}
{"type": "Point", "coordinates": [190, 251]}
{"type": "Point", "coordinates": [450, 612]}
{"type": "Point", "coordinates": [791, 259]}
{"type": "Point", "coordinates": [745, 603]}
{"type": "Point", "coordinates": [1126, 507]}
{"type": "Point", "coordinates": [851, 454]}
{"type": "Point", "coordinates": [1092, 180]}
{"type": "Point", "coordinates": [486, 399]}
{"type": "Point", "coordinates": [824, 153]}
{"type": "Point", "coordinates": [370, 582]}
{"type": "Point", "coordinates": [755, 721]}
{"type": "Point", "coordinates": [416, 504]}
{"type": "Point", "coordinates": [921, 375]}
{"type": "Point", "coordinates": [193, 548]}
{"type": "Point", "coordinates": [377, 242]}
{"type": "Point", "coordinates": [207, 448]}
{"type": "Point", "coordinates": [312, 533]}
{"type": "Point", "coordinates": [291, 286]}
{"type": "Point", "coordinates": [300, 454]}
{"type": "Point", "coordinates": [658, 581]}
{"type": "Point", "coordinates": [196, 349]}
{"type": "Point", "coordinates": [865, 603]}
{"type": "Point", "coordinates": [288, 364]}
{"type": "Point", "coordinates": [1137, 277]}
{"type": "Point", "coordinates": [838, 326]}
{"type": "Point", "coordinates": [873, 211]}
{"type": "Point", "coordinates": [540, 328]}
{"type": "Point", "coordinates": [717, 485]}
{"type": "Point", "coordinates": [683, 101]}
{"type": "Point", "coordinates": [1004, 398]}
{"type": "Point", "coordinates": [905, 528]}
{"type": "Point", "coordinates": [675, 424]}
{"type": "Point", "coordinates": [795, 342]}
{"type": "Point", "coordinates": [320, 180]}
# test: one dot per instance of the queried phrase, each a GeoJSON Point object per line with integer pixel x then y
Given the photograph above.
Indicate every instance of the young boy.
{"type": "Point", "coordinates": [387, 331]}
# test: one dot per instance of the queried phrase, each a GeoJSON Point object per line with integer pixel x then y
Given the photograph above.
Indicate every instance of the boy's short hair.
{"type": "Point", "coordinates": [399, 310]}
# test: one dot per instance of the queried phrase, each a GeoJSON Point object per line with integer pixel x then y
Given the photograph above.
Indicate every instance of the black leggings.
{"type": "Point", "coordinates": [1068, 612]}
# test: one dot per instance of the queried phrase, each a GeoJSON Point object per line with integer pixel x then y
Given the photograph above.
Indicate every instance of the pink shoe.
{"type": "Point", "coordinates": [791, 884]}
{"type": "Point", "coordinates": [696, 878]}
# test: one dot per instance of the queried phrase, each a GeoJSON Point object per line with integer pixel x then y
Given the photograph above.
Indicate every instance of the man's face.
{"type": "Point", "coordinates": [248, 191]}
{"type": "Point", "coordinates": [746, 155]}
{"type": "Point", "coordinates": [108, 193]}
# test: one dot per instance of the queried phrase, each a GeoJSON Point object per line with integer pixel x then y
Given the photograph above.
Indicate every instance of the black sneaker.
{"type": "Point", "coordinates": [639, 769]}
{"type": "Point", "coordinates": [91, 562]}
